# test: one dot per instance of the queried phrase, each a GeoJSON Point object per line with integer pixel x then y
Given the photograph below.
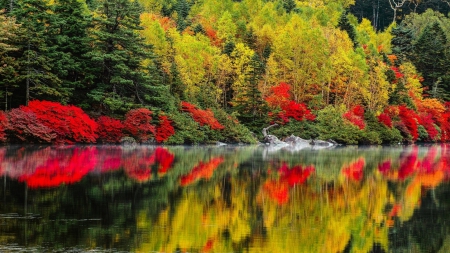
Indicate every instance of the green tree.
{"type": "Point", "coordinates": [344, 25]}
{"type": "Point", "coordinates": [430, 58]}
{"type": "Point", "coordinates": [250, 105]}
{"type": "Point", "coordinates": [9, 30]}
{"type": "Point", "coordinates": [118, 53]}
{"type": "Point", "coordinates": [71, 43]}
{"type": "Point", "coordinates": [402, 42]}
{"type": "Point", "coordinates": [36, 79]}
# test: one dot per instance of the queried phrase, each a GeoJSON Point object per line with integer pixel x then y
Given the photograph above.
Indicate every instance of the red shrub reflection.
{"type": "Point", "coordinates": [138, 164]}
{"type": "Point", "coordinates": [355, 171]}
{"type": "Point", "coordinates": [278, 190]}
{"type": "Point", "coordinates": [62, 169]}
{"type": "Point", "coordinates": [202, 170]}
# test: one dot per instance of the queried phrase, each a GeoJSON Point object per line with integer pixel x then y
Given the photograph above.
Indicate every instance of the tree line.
{"type": "Point", "coordinates": [234, 58]}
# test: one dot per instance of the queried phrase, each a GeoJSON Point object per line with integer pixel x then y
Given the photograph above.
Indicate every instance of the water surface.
{"type": "Point", "coordinates": [224, 199]}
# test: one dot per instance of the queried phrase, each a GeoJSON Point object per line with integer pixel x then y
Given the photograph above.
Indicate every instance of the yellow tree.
{"type": "Point", "coordinates": [197, 60]}
{"type": "Point", "coordinates": [303, 56]}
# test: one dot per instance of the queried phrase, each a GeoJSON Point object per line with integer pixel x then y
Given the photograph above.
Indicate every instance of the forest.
{"type": "Point", "coordinates": [203, 71]}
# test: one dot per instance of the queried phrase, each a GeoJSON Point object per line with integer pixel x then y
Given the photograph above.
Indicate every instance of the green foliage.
{"type": "Point", "coordinates": [304, 129]}
{"type": "Point", "coordinates": [431, 58]}
{"type": "Point", "coordinates": [187, 131]}
{"type": "Point", "coordinates": [331, 125]}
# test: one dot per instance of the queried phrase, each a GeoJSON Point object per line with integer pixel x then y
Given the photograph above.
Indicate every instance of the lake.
{"type": "Point", "coordinates": [224, 199]}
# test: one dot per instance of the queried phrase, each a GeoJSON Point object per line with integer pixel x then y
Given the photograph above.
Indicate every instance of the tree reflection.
{"type": "Point", "coordinates": [171, 199]}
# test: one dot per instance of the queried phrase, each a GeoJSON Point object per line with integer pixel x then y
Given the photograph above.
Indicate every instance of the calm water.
{"type": "Point", "coordinates": [224, 199]}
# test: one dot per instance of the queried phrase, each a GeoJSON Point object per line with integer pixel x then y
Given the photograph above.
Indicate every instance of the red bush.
{"type": "Point", "coordinates": [355, 116]}
{"type": "Point", "coordinates": [203, 117]}
{"type": "Point", "coordinates": [385, 119]}
{"type": "Point", "coordinates": [426, 120]}
{"type": "Point", "coordinates": [69, 122]}
{"type": "Point", "coordinates": [165, 129]}
{"type": "Point", "coordinates": [109, 130]}
{"type": "Point", "coordinates": [4, 125]}
{"type": "Point", "coordinates": [408, 118]}
{"type": "Point", "coordinates": [298, 111]}
{"type": "Point", "coordinates": [25, 126]}
{"type": "Point", "coordinates": [280, 96]}
{"type": "Point", "coordinates": [138, 124]}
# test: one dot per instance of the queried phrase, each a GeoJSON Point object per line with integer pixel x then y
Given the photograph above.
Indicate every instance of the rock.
{"type": "Point", "coordinates": [128, 141]}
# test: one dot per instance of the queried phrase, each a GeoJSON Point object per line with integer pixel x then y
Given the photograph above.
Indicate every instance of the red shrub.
{"type": "Point", "coordinates": [397, 72]}
{"type": "Point", "coordinates": [385, 119]}
{"type": "Point", "coordinates": [69, 122]}
{"type": "Point", "coordinates": [203, 117]}
{"type": "Point", "coordinates": [25, 126]}
{"type": "Point", "coordinates": [280, 95]}
{"type": "Point", "coordinates": [138, 124]}
{"type": "Point", "coordinates": [4, 125]}
{"type": "Point", "coordinates": [164, 130]}
{"type": "Point", "coordinates": [298, 111]}
{"type": "Point", "coordinates": [426, 120]}
{"type": "Point", "coordinates": [355, 116]}
{"type": "Point", "coordinates": [408, 118]}
{"type": "Point", "coordinates": [109, 130]}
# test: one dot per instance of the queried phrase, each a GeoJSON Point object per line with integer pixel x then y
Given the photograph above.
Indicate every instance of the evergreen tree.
{"type": "Point", "coordinates": [35, 79]}
{"type": "Point", "coordinates": [251, 106]}
{"type": "Point", "coordinates": [9, 31]}
{"type": "Point", "coordinates": [345, 25]}
{"type": "Point", "coordinates": [402, 42]}
{"type": "Point", "coordinates": [71, 43]}
{"type": "Point", "coordinates": [119, 52]}
{"type": "Point", "coordinates": [289, 5]}
{"type": "Point", "coordinates": [430, 57]}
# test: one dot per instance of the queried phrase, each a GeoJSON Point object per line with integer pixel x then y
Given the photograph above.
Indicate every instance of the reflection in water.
{"type": "Point", "coordinates": [224, 199]}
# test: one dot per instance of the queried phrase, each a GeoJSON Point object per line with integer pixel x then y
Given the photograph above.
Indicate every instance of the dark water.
{"type": "Point", "coordinates": [224, 199]}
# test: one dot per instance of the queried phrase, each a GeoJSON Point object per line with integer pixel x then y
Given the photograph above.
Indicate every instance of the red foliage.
{"type": "Point", "coordinates": [355, 171]}
{"type": "Point", "coordinates": [298, 111]}
{"type": "Point", "coordinates": [25, 126]}
{"type": "Point", "coordinates": [62, 168]}
{"type": "Point", "coordinates": [165, 129]}
{"type": "Point", "coordinates": [385, 119]}
{"type": "Point", "coordinates": [444, 123]}
{"type": "Point", "coordinates": [281, 98]}
{"type": "Point", "coordinates": [4, 125]}
{"type": "Point", "coordinates": [426, 120]}
{"type": "Point", "coordinates": [109, 130]}
{"type": "Point", "coordinates": [203, 117]}
{"type": "Point", "coordinates": [280, 95]}
{"type": "Point", "coordinates": [397, 72]}
{"type": "Point", "coordinates": [356, 116]}
{"type": "Point", "coordinates": [69, 122]}
{"type": "Point", "coordinates": [202, 170]}
{"type": "Point", "coordinates": [408, 118]}
{"type": "Point", "coordinates": [138, 124]}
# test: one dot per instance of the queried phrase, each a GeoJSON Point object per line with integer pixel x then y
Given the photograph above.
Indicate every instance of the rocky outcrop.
{"type": "Point", "coordinates": [293, 142]}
